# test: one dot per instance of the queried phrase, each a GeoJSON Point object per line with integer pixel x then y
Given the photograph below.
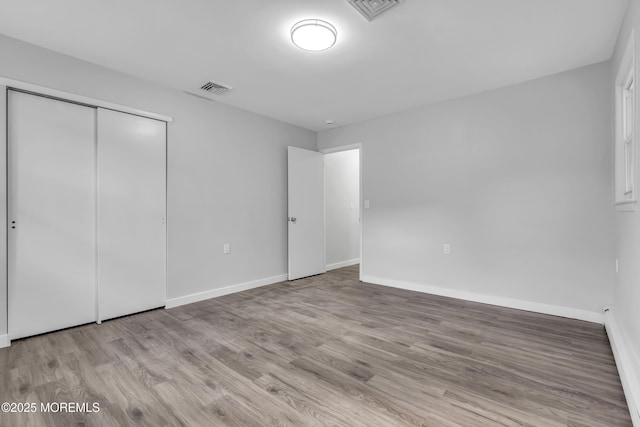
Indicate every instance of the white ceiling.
{"type": "Point", "coordinates": [420, 52]}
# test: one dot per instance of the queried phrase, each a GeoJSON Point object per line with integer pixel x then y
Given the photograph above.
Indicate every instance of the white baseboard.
{"type": "Point", "coordinates": [568, 312]}
{"type": "Point", "coordinates": [627, 362]}
{"type": "Point", "coordinates": [214, 293]}
{"type": "Point", "coordinates": [343, 264]}
{"type": "Point", "coordinates": [4, 341]}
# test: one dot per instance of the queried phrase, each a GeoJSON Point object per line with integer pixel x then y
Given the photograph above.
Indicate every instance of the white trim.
{"type": "Point", "coordinates": [342, 264]}
{"type": "Point", "coordinates": [626, 71]}
{"type": "Point", "coordinates": [555, 310]}
{"type": "Point", "coordinates": [4, 284]}
{"type": "Point", "coordinates": [215, 293]}
{"type": "Point", "coordinates": [96, 180]}
{"type": "Point", "coordinates": [17, 84]}
{"type": "Point", "coordinates": [361, 201]}
{"type": "Point", "coordinates": [627, 362]}
{"type": "Point", "coordinates": [626, 202]}
{"type": "Point", "coordinates": [626, 205]}
{"type": "Point", "coordinates": [341, 148]}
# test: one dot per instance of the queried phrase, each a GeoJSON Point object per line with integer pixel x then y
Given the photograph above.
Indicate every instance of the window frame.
{"type": "Point", "coordinates": [628, 131]}
{"type": "Point", "coordinates": [625, 131]}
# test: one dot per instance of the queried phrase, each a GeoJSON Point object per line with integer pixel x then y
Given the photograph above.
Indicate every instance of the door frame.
{"type": "Point", "coordinates": [337, 149]}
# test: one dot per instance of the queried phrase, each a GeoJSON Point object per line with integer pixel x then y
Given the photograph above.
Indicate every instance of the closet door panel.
{"type": "Point", "coordinates": [131, 213]}
{"type": "Point", "coordinates": [53, 203]}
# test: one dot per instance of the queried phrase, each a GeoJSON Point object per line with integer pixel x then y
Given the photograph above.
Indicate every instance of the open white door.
{"type": "Point", "coordinates": [306, 213]}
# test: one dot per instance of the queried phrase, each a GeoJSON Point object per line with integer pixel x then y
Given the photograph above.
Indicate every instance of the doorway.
{"type": "Point", "coordinates": [342, 207]}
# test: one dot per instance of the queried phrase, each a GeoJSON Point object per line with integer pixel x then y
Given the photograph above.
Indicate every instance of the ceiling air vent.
{"type": "Point", "coordinates": [215, 88]}
{"type": "Point", "coordinates": [373, 8]}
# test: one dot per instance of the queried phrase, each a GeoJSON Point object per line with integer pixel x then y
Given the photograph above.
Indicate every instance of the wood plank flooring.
{"type": "Point", "coordinates": [321, 351]}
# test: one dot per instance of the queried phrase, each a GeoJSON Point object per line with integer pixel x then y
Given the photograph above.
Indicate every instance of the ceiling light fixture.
{"type": "Point", "coordinates": [314, 35]}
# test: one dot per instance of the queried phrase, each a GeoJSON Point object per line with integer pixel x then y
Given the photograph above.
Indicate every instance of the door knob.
{"type": "Point", "coordinates": [293, 219]}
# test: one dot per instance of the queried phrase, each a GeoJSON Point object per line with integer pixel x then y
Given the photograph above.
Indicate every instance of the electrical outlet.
{"type": "Point", "coordinates": [446, 249]}
{"type": "Point", "coordinates": [617, 265]}
{"type": "Point", "coordinates": [367, 204]}
{"type": "Point", "coordinates": [226, 248]}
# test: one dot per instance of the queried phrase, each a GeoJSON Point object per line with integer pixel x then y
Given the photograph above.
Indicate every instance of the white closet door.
{"type": "Point", "coordinates": [131, 214]}
{"type": "Point", "coordinates": [52, 213]}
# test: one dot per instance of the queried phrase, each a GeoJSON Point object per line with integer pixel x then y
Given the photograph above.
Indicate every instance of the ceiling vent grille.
{"type": "Point", "coordinates": [215, 88]}
{"type": "Point", "coordinates": [373, 8]}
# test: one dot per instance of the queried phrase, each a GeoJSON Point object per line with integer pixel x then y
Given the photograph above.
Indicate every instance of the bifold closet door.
{"type": "Point", "coordinates": [131, 214]}
{"type": "Point", "coordinates": [52, 214]}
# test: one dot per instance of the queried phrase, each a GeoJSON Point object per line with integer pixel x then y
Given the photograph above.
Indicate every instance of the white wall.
{"type": "Point", "coordinates": [226, 172]}
{"type": "Point", "coordinates": [517, 180]}
{"type": "Point", "coordinates": [342, 207]}
{"type": "Point", "coordinates": [627, 285]}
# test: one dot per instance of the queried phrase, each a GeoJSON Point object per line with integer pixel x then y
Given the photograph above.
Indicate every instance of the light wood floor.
{"type": "Point", "coordinates": [326, 350]}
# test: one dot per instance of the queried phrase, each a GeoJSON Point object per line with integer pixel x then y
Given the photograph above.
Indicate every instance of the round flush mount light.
{"type": "Point", "coordinates": [313, 35]}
